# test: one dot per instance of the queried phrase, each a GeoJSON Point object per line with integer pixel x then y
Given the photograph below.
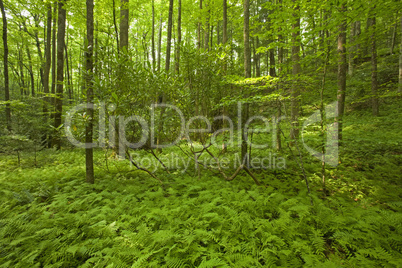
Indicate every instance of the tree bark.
{"type": "Point", "coordinates": [116, 31]}
{"type": "Point", "coordinates": [199, 30]}
{"type": "Point", "coordinates": [48, 57]}
{"type": "Point", "coordinates": [69, 90]}
{"type": "Point", "coordinates": [48, 63]}
{"type": "Point", "coordinates": [225, 30]}
{"type": "Point", "coordinates": [393, 38]}
{"type": "Point", "coordinates": [160, 44]}
{"type": "Point", "coordinates": [90, 112]}
{"type": "Point", "coordinates": [247, 74]}
{"type": "Point", "coordinates": [169, 36]}
{"type": "Point", "coordinates": [124, 25]}
{"type": "Point", "coordinates": [296, 69]}
{"type": "Point", "coordinates": [153, 36]}
{"type": "Point", "coordinates": [54, 68]}
{"type": "Point", "coordinates": [42, 63]}
{"type": "Point", "coordinates": [280, 48]}
{"type": "Point", "coordinates": [272, 70]}
{"type": "Point", "coordinates": [400, 60]}
{"type": "Point", "coordinates": [352, 48]}
{"type": "Point", "coordinates": [206, 29]}
{"type": "Point", "coordinates": [257, 58]}
{"type": "Point", "coordinates": [31, 73]}
{"type": "Point", "coordinates": [21, 67]}
{"type": "Point", "coordinates": [342, 69]}
{"type": "Point", "coordinates": [374, 81]}
{"type": "Point", "coordinates": [5, 65]}
{"type": "Point", "coordinates": [61, 22]}
{"type": "Point", "coordinates": [178, 39]}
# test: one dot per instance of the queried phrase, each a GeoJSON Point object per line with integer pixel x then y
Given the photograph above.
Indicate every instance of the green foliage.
{"type": "Point", "coordinates": [50, 218]}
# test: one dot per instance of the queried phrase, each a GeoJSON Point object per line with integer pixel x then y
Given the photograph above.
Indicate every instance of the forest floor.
{"type": "Point", "coordinates": [49, 216]}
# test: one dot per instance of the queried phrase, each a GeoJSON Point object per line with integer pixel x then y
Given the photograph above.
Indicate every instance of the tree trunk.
{"type": "Point", "coordinates": [254, 56]}
{"type": "Point", "coordinates": [257, 58]}
{"type": "Point", "coordinates": [162, 97]}
{"type": "Point", "coordinates": [54, 68]}
{"type": "Point", "coordinates": [342, 68]}
{"type": "Point", "coordinates": [21, 67]}
{"type": "Point", "coordinates": [90, 112]}
{"type": "Point", "coordinates": [296, 69]}
{"type": "Point", "coordinates": [115, 26]}
{"type": "Point", "coordinates": [206, 29]}
{"type": "Point", "coordinates": [48, 57]}
{"type": "Point", "coordinates": [124, 25]}
{"type": "Point", "coordinates": [199, 30]}
{"type": "Point", "coordinates": [247, 74]}
{"type": "Point", "coordinates": [42, 63]}
{"type": "Point", "coordinates": [153, 36]}
{"type": "Point", "coordinates": [393, 38]}
{"type": "Point", "coordinates": [178, 39]}
{"type": "Point", "coordinates": [5, 65]}
{"type": "Point", "coordinates": [225, 30]}
{"type": "Point", "coordinates": [30, 69]}
{"type": "Point", "coordinates": [280, 48]}
{"type": "Point", "coordinates": [374, 82]}
{"type": "Point", "coordinates": [400, 60]}
{"type": "Point", "coordinates": [352, 48]}
{"type": "Point", "coordinates": [272, 70]}
{"type": "Point", "coordinates": [60, 72]}
{"type": "Point", "coordinates": [218, 34]}
{"type": "Point", "coordinates": [70, 94]}
{"type": "Point", "coordinates": [169, 36]}
{"type": "Point", "coordinates": [160, 44]}
{"type": "Point", "coordinates": [48, 62]}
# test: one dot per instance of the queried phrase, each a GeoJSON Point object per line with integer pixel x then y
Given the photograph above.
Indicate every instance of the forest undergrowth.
{"type": "Point", "coordinates": [49, 217]}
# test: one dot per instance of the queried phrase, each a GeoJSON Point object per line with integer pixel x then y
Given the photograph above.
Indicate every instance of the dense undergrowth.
{"type": "Point", "coordinates": [50, 218]}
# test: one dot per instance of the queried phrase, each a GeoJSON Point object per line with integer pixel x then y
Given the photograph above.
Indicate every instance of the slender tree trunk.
{"type": "Point", "coordinates": [393, 38]}
{"type": "Point", "coordinates": [178, 39]}
{"type": "Point", "coordinates": [400, 60]}
{"type": "Point", "coordinates": [48, 62]}
{"type": "Point", "coordinates": [212, 36]}
{"type": "Point", "coordinates": [225, 30]}
{"type": "Point", "coordinates": [160, 44]}
{"type": "Point", "coordinates": [257, 58]}
{"type": "Point", "coordinates": [199, 42]}
{"type": "Point", "coordinates": [352, 48]}
{"type": "Point", "coordinates": [42, 63]}
{"type": "Point", "coordinates": [153, 36]}
{"type": "Point", "coordinates": [272, 70]}
{"type": "Point", "coordinates": [54, 68]}
{"type": "Point", "coordinates": [206, 29]}
{"type": "Point", "coordinates": [169, 36]}
{"type": "Point", "coordinates": [70, 94]}
{"type": "Point", "coordinates": [116, 31]}
{"type": "Point", "coordinates": [162, 97]}
{"type": "Point", "coordinates": [60, 71]}
{"type": "Point", "coordinates": [247, 74]}
{"type": "Point", "coordinates": [5, 65]}
{"type": "Point", "coordinates": [295, 102]}
{"type": "Point", "coordinates": [254, 56]}
{"type": "Point", "coordinates": [124, 24]}
{"type": "Point", "coordinates": [21, 67]}
{"type": "Point", "coordinates": [89, 162]}
{"type": "Point", "coordinates": [48, 57]}
{"type": "Point", "coordinates": [218, 34]}
{"type": "Point", "coordinates": [280, 48]}
{"type": "Point", "coordinates": [96, 62]}
{"type": "Point", "coordinates": [358, 50]}
{"type": "Point", "coordinates": [30, 69]}
{"type": "Point", "coordinates": [374, 82]}
{"type": "Point", "coordinates": [342, 68]}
